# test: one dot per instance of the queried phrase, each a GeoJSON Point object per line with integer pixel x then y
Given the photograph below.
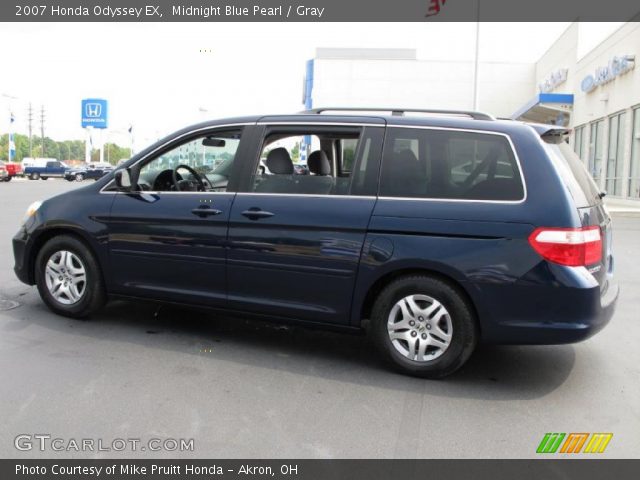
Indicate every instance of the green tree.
{"type": "Point", "coordinates": [62, 150]}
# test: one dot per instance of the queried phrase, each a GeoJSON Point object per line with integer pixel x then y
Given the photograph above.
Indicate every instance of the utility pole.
{"type": "Point", "coordinates": [30, 119]}
{"type": "Point", "coordinates": [42, 130]}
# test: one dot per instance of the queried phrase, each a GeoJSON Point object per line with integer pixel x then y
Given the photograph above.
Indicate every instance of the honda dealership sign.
{"type": "Point", "coordinates": [94, 113]}
{"type": "Point", "coordinates": [616, 67]}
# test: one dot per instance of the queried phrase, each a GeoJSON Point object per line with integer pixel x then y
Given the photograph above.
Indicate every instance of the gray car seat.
{"type": "Point", "coordinates": [280, 165]}
{"type": "Point", "coordinates": [320, 181]}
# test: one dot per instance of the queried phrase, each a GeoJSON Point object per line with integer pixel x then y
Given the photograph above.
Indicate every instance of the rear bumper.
{"type": "Point", "coordinates": [545, 315]}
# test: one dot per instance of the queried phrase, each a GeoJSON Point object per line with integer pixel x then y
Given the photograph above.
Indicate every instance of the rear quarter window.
{"type": "Point", "coordinates": [449, 164]}
{"type": "Point", "coordinates": [574, 174]}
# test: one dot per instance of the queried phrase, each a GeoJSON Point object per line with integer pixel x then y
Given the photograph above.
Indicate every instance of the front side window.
{"type": "Point", "coordinates": [447, 164]}
{"type": "Point", "coordinates": [200, 164]}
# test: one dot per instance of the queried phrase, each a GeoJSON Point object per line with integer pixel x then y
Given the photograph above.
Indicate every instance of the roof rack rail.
{"type": "Point", "coordinates": [401, 111]}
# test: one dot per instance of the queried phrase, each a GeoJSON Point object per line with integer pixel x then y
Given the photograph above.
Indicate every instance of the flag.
{"type": "Point", "coordinates": [434, 7]}
{"type": "Point", "coordinates": [12, 145]}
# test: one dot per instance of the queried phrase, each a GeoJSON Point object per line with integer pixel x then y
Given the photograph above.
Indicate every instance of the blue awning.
{"type": "Point", "coordinates": [552, 108]}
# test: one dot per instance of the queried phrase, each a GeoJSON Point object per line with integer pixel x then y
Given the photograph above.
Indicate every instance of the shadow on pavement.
{"type": "Point", "coordinates": [497, 373]}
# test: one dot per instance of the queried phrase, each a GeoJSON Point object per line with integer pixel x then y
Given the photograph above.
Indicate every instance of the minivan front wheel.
{"type": "Point", "coordinates": [68, 277]}
{"type": "Point", "coordinates": [423, 326]}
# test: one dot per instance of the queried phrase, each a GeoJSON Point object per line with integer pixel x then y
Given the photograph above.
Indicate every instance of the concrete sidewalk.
{"type": "Point", "coordinates": [619, 206]}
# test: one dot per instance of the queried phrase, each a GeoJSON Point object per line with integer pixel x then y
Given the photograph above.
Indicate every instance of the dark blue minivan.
{"type": "Point", "coordinates": [431, 231]}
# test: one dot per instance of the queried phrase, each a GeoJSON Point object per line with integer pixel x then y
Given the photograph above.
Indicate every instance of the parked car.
{"type": "Point", "coordinates": [12, 169]}
{"type": "Point", "coordinates": [386, 242]}
{"type": "Point", "coordinates": [4, 174]}
{"type": "Point", "coordinates": [43, 168]}
{"type": "Point", "coordinates": [89, 171]}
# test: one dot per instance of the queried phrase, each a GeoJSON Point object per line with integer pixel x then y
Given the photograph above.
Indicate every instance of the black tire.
{"type": "Point", "coordinates": [34, 176]}
{"type": "Point", "coordinates": [7, 179]}
{"type": "Point", "coordinates": [465, 329]}
{"type": "Point", "coordinates": [43, 178]}
{"type": "Point", "coordinates": [79, 177]}
{"type": "Point", "coordinates": [94, 295]}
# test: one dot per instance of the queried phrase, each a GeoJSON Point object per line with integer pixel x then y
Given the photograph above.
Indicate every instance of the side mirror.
{"type": "Point", "coordinates": [123, 179]}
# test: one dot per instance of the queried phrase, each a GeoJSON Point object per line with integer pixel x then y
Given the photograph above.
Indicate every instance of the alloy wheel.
{"type": "Point", "coordinates": [420, 328]}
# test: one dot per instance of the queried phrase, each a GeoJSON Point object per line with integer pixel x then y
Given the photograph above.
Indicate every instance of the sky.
{"type": "Point", "coordinates": [159, 77]}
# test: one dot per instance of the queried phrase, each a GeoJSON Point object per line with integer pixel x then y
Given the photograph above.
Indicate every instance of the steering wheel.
{"type": "Point", "coordinates": [195, 185]}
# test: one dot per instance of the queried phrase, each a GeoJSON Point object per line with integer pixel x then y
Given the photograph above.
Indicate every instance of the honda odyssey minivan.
{"type": "Point", "coordinates": [432, 231]}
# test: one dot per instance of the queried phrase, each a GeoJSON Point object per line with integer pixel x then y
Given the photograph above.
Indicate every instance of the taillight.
{"type": "Point", "coordinates": [574, 247]}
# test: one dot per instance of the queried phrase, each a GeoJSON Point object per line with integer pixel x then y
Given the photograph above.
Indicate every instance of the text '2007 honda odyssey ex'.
{"type": "Point", "coordinates": [433, 232]}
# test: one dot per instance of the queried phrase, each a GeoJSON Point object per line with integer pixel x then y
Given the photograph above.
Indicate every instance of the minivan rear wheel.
{"type": "Point", "coordinates": [68, 277]}
{"type": "Point", "coordinates": [423, 326]}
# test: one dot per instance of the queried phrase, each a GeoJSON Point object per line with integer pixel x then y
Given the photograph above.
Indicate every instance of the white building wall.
{"type": "Point", "coordinates": [504, 87]}
{"type": "Point", "coordinates": [562, 54]}
{"type": "Point", "coordinates": [357, 82]}
{"type": "Point", "coordinates": [620, 94]}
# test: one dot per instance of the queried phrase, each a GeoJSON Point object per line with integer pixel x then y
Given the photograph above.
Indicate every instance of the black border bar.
{"type": "Point", "coordinates": [547, 469]}
{"type": "Point", "coordinates": [318, 11]}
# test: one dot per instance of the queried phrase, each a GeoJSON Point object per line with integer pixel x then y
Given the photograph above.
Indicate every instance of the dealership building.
{"type": "Point", "coordinates": [597, 94]}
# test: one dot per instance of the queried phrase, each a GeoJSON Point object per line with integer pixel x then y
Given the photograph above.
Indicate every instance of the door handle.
{"type": "Point", "coordinates": [256, 214]}
{"type": "Point", "coordinates": [206, 211]}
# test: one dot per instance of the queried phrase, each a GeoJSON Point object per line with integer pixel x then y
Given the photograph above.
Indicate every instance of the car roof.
{"type": "Point", "coordinates": [463, 120]}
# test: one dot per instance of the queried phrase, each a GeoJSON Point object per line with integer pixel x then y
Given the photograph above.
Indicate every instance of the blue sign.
{"type": "Point", "coordinates": [94, 113]}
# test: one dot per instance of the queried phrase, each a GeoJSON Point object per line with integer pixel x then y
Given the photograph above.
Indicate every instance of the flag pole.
{"type": "Point", "coordinates": [476, 59]}
{"type": "Point", "coordinates": [12, 146]}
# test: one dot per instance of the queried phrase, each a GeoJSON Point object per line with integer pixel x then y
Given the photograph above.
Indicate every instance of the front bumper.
{"type": "Point", "coordinates": [22, 266]}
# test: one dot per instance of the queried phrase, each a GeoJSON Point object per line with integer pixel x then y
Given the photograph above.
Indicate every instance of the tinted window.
{"type": "Point", "coordinates": [583, 188]}
{"type": "Point", "coordinates": [339, 162]}
{"type": "Point", "coordinates": [211, 157]}
{"type": "Point", "coordinates": [444, 164]}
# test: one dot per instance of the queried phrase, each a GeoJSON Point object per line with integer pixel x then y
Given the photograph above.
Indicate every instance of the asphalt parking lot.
{"type": "Point", "coordinates": [242, 389]}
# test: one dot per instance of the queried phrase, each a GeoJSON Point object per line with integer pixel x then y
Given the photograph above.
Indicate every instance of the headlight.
{"type": "Point", "coordinates": [31, 211]}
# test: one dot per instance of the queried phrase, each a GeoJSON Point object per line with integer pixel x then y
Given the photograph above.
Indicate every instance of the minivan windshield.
{"type": "Point", "coordinates": [583, 188]}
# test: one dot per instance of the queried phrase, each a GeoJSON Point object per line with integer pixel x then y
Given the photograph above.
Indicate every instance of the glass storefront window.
{"type": "Point", "coordinates": [634, 172]}
{"type": "Point", "coordinates": [613, 184]}
{"type": "Point", "coordinates": [596, 150]}
{"type": "Point", "coordinates": [578, 141]}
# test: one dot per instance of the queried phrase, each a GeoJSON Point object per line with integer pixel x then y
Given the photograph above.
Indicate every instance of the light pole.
{"type": "Point", "coordinates": [476, 61]}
